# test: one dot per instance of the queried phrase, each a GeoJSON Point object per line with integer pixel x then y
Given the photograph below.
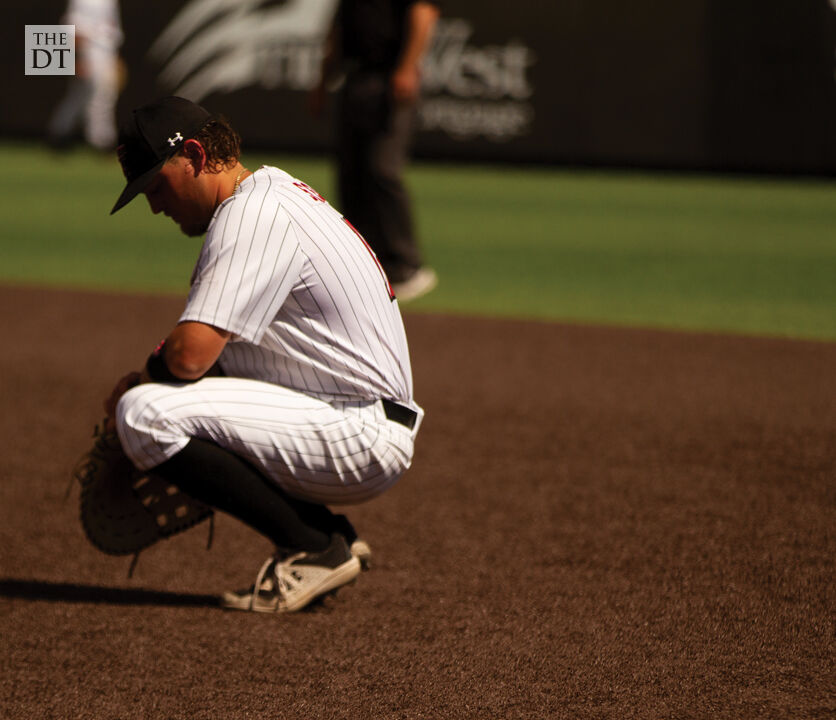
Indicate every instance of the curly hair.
{"type": "Point", "coordinates": [221, 143]}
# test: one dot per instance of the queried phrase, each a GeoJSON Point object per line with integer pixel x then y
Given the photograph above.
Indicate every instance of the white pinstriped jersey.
{"type": "Point", "coordinates": [302, 294]}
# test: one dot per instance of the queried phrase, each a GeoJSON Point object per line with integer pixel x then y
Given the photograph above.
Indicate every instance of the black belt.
{"type": "Point", "coordinates": [399, 413]}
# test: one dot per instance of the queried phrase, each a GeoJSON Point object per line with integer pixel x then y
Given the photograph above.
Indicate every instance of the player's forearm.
{"type": "Point", "coordinates": [187, 354]}
{"type": "Point", "coordinates": [186, 363]}
{"type": "Point", "coordinates": [421, 22]}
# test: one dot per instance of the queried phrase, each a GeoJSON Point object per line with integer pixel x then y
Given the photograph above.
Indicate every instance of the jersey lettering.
{"type": "Point", "coordinates": [304, 187]}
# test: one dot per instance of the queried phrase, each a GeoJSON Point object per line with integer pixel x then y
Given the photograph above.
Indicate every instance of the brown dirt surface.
{"type": "Point", "coordinates": [600, 523]}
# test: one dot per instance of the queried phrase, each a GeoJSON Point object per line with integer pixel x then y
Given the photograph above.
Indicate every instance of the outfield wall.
{"type": "Point", "coordinates": [706, 84]}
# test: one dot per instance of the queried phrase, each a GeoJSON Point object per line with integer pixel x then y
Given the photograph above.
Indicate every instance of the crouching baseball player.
{"type": "Point", "coordinates": [285, 387]}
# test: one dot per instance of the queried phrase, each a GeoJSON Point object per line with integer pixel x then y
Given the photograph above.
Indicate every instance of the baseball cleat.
{"type": "Point", "coordinates": [289, 584]}
{"type": "Point", "coordinates": [422, 281]}
{"type": "Point", "coordinates": [359, 547]}
{"type": "Point", "coordinates": [363, 552]}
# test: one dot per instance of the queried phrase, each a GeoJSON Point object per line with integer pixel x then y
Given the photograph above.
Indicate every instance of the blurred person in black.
{"type": "Point", "coordinates": [379, 45]}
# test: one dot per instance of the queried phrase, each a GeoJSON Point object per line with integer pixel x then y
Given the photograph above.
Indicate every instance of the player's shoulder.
{"type": "Point", "coordinates": [265, 179]}
{"type": "Point", "coordinates": [271, 172]}
{"type": "Point", "coordinates": [269, 189]}
{"type": "Point", "coordinates": [255, 194]}
{"type": "Point", "coordinates": [275, 182]}
{"type": "Point", "coordinates": [261, 186]}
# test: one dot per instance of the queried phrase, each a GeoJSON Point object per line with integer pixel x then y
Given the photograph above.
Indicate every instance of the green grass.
{"type": "Point", "coordinates": [725, 254]}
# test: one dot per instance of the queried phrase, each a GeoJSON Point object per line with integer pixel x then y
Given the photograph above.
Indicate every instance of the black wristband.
{"type": "Point", "coordinates": [158, 370]}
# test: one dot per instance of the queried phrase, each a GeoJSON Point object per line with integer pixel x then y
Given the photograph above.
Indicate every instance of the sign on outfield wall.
{"type": "Point", "coordinates": [707, 84]}
{"type": "Point", "coordinates": [261, 59]}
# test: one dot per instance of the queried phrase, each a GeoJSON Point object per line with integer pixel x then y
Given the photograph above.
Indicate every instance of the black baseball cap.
{"type": "Point", "coordinates": [152, 134]}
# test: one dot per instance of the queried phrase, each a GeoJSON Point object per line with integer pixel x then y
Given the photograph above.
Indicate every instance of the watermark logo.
{"type": "Point", "coordinates": [50, 50]}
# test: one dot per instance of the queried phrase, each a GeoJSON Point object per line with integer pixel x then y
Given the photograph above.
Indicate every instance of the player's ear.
{"type": "Point", "coordinates": [194, 152]}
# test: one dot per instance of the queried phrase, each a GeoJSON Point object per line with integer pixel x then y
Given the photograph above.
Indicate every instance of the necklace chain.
{"type": "Point", "coordinates": [238, 181]}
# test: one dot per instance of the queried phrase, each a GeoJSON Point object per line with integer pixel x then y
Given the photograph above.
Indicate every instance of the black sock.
{"type": "Point", "coordinates": [345, 528]}
{"type": "Point", "coordinates": [225, 482]}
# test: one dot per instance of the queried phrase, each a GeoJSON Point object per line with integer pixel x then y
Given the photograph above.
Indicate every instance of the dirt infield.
{"type": "Point", "coordinates": [599, 523]}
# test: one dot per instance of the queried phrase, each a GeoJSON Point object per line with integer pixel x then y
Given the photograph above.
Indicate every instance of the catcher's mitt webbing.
{"type": "Point", "coordinates": [124, 510]}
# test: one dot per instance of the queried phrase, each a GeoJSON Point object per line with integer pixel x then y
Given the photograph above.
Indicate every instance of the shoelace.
{"type": "Point", "coordinates": [284, 579]}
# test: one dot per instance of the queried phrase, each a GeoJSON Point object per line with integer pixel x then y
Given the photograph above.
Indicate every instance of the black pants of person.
{"type": "Point", "coordinates": [373, 140]}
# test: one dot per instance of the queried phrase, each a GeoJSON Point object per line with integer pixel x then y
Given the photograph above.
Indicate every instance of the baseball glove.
{"type": "Point", "coordinates": [124, 510]}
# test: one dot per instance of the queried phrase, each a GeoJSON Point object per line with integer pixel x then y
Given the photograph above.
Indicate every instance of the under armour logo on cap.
{"type": "Point", "coordinates": [144, 143]}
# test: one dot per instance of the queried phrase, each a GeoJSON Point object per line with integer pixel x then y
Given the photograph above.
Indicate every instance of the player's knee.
{"type": "Point", "coordinates": [133, 409]}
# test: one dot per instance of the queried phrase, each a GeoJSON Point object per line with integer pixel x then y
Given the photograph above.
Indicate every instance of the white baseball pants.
{"type": "Point", "coordinates": [335, 454]}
